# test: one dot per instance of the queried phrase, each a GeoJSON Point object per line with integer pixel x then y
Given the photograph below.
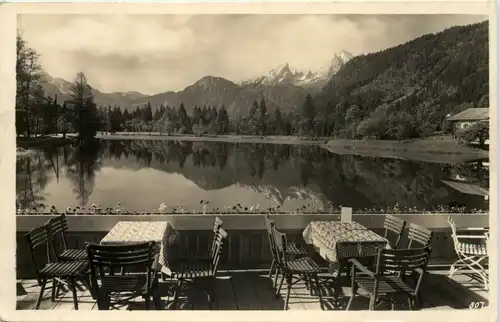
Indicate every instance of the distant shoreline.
{"type": "Point", "coordinates": [418, 149]}
{"type": "Point", "coordinates": [272, 139]}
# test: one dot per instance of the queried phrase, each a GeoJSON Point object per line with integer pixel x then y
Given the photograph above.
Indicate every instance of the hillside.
{"type": "Point", "coordinates": [407, 91]}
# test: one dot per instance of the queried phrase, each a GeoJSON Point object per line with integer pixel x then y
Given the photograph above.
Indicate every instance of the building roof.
{"type": "Point", "coordinates": [471, 114]}
{"type": "Point", "coordinates": [467, 188]}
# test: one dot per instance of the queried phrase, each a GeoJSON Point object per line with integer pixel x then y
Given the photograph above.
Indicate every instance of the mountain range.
{"type": "Point", "coordinates": [282, 88]}
{"type": "Point", "coordinates": [400, 92]}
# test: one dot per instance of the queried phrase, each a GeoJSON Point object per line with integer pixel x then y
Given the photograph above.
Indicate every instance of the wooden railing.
{"type": "Point", "coordinates": [247, 245]}
{"type": "Point", "coordinates": [95, 223]}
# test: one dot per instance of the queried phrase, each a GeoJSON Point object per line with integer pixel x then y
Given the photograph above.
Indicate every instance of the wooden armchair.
{"type": "Point", "coordinates": [471, 255]}
{"type": "Point", "coordinates": [382, 283]}
{"type": "Point", "coordinates": [104, 259]}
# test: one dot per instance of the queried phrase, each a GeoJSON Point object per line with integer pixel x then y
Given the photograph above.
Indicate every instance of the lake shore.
{"type": "Point", "coordinates": [411, 149]}
{"type": "Point", "coordinates": [42, 141]}
{"type": "Point", "coordinates": [295, 140]}
{"type": "Point", "coordinates": [427, 150]}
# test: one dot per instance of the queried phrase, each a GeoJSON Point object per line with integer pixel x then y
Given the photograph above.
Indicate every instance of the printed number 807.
{"type": "Point", "coordinates": [476, 305]}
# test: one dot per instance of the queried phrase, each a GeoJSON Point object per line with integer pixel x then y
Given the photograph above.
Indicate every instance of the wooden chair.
{"type": "Point", "coordinates": [294, 268]}
{"type": "Point", "coordinates": [471, 255]}
{"type": "Point", "coordinates": [394, 225]}
{"type": "Point", "coordinates": [59, 226]}
{"type": "Point", "coordinates": [198, 268]}
{"type": "Point", "coordinates": [382, 283]}
{"type": "Point", "coordinates": [104, 259]}
{"type": "Point", "coordinates": [61, 272]}
{"type": "Point", "coordinates": [418, 235]}
{"type": "Point", "coordinates": [292, 250]}
{"type": "Point", "coordinates": [206, 254]}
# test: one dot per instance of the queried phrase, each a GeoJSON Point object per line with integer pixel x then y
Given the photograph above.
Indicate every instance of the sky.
{"type": "Point", "coordinates": [157, 53]}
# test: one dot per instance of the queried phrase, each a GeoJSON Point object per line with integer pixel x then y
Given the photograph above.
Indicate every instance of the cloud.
{"type": "Point", "coordinates": [154, 53]}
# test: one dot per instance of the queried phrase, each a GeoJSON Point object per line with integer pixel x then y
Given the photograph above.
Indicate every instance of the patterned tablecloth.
{"type": "Point", "coordinates": [341, 240]}
{"type": "Point", "coordinates": [160, 232]}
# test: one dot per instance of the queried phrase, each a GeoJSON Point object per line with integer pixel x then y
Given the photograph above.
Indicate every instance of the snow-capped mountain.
{"type": "Point", "coordinates": [284, 75]}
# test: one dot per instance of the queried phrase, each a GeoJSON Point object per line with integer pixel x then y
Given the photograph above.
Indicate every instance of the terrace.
{"type": "Point", "coordinates": [242, 282]}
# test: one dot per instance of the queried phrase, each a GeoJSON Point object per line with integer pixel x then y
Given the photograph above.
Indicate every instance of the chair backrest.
{"type": "Point", "coordinates": [219, 246]}
{"type": "Point", "coordinates": [58, 227]}
{"type": "Point", "coordinates": [395, 225]}
{"type": "Point", "coordinates": [140, 255]}
{"type": "Point", "coordinates": [39, 237]}
{"type": "Point", "coordinates": [280, 242]}
{"type": "Point", "coordinates": [453, 227]}
{"type": "Point", "coordinates": [270, 224]}
{"type": "Point", "coordinates": [418, 234]}
{"type": "Point", "coordinates": [402, 260]}
{"type": "Point", "coordinates": [217, 226]}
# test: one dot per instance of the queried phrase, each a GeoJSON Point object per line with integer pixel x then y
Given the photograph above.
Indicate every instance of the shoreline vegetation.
{"type": "Point", "coordinates": [428, 150]}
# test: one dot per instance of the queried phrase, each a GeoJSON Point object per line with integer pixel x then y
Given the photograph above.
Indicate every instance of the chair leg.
{"type": "Point", "coordinates": [176, 293]}
{"type": "Point", "coordinates": [348, 307]}
{"type": "Point", "coordinates": [372, 303]}
{"type": "Point", "coordinates": [275, 283]}
{"type": "Point", "coordinates": [272, 268]}
{"type": "Point", "coordinates": [42, 290]}
{"type": "Point", "coordinates": [55, 284]}
{"type": "Point", "coordinates": [148, 302]}
{"type": "Point", "coordinates": [73, 289]}
{"type": "Point", "coordinates": [319, 291]}
{"type": "Point", "coordinates": [103, 302]}
{"type": "Point", "coordinates": [211, 294]}
{"type": "Point", "coordinates": [281, 284]}
{"type": "Point", "coordinates": [156, 298]}
{"type": "Point", "coordinates": [410, 302]}
{"type": "Point", "coordinates": [288, 289]}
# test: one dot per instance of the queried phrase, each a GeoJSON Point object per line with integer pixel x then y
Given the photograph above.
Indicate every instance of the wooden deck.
{"type": "Point", "coordinates": [253, 291]}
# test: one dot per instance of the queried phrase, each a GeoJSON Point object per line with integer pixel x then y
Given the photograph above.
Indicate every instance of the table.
{"type": "Point", "coordinates": [338, 241]}
{"type": "Point", "coordinates": [160, 232]}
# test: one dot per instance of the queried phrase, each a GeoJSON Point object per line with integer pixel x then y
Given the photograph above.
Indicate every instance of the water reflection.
{"type": "Point", "coordinates": [143, 174]}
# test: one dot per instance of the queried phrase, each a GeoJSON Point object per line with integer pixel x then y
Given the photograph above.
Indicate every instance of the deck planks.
{"type": "Point", "coordinates": [253, 291]}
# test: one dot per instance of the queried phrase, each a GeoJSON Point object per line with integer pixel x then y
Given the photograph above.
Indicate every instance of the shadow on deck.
{"type": "Point", "coordinates": [254, 291]}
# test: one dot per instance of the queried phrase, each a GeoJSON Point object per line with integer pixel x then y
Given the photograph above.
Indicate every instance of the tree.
{"type": "Point", "coordinates": [183, 117]}
{"type": "Point", "coordinates": [223, 120]}
{"type": "Point", "coordinates": [147, 113]}
{"type": "Point", "coordinates": [29, 91]}
{"type": "Point", "coordinates": [476, 133]}
{"type": "Point", "coordinates": [83, 111]}
{"type": "Point", "coordinates": [278, 122]}
{"type": "Point", "coordinates": [262, 116]}
{"type": "Point", "coordinates": [308, 114]}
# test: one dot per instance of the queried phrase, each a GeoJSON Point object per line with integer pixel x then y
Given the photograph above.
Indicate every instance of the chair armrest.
{"type": "Point", "coordinates": [156, 262]}
{"type": "Point", "coordinates": [471, 236]}
{"type": "Point", "coordinates": [361, 267]}
{"type": "Point", "coordinates": [419, 271]}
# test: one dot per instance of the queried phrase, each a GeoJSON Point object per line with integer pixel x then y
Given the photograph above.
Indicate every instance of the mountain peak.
{"type": "Point", "coordinates": [283, 74]}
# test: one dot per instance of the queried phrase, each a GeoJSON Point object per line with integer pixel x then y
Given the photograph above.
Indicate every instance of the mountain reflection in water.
{"type": "Point", "coordinates": [143, 174]}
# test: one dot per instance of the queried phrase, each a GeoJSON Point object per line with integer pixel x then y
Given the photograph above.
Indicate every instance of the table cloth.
{"type": "Point", "coordinates": [342, 240]}
{"type": "Point", "coordinates": [160, 232]}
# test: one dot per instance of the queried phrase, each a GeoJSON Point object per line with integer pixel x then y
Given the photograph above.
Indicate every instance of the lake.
{"type": "Point", "coordinates": [142, 174]}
